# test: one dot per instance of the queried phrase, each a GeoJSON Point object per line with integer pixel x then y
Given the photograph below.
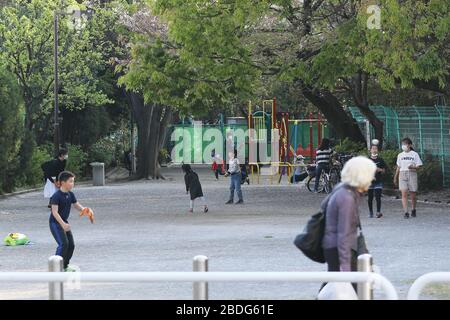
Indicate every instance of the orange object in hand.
{"type": "Point", "coordinates": [89, 213]}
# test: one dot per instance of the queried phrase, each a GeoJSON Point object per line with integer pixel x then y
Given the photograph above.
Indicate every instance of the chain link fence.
{"type": "Point", "coordinates": [427, 126]}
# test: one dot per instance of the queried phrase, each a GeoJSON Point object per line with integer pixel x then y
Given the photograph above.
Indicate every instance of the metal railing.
{"type": "Point", "coordinates": [421, 282]}
{"type": "Point", "coordinates": [200, 278]}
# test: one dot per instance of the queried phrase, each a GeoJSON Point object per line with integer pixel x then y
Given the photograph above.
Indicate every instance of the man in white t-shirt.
{"type": "Point", "coordinates": [407, 163]}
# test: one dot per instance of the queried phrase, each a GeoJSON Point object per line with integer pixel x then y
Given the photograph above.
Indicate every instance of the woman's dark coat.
{"type": "Point", "coordinates": [193, 185]}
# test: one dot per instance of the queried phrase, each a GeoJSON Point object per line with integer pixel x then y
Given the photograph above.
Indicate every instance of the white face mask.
{"type": "Point", "coordinates": [405, 147]}
{"type": "Point", "coordinates": [66, 157]}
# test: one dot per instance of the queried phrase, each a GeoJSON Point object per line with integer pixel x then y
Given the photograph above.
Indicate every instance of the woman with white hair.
{"type": "Point", "coordinates": [342, 217]}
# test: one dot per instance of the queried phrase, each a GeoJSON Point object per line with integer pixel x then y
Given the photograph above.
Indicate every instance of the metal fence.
{"type": "Point", "coordinates": [428, 127]}
{"type": "Point", "coordinates": [366, 279]}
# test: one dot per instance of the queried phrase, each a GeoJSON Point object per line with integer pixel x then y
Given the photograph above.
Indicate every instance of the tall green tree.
{"type": "Point", "coordinates": [10, 129]}
{"type": "Point", "coordinates": [26, 49]}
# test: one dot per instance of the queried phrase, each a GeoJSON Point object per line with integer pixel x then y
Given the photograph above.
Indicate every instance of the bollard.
{"type": "Point", "coordinates": [98, 173]}
{"type": "Point", "coordinates": [56, 290]}
{"type": "Point", "coordinates": [200, 289]}
{"type": "Point", "coordinates": [365, 291]}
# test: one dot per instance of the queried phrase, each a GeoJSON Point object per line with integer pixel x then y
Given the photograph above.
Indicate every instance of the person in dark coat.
{"type": "Point", "coordinates": [52, 169]}
{"type": "Point", "coordinates": [193, 187]}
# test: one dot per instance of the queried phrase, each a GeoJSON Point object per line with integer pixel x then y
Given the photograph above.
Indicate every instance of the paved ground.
{"type": "Point", "coordinates": [144, 226]}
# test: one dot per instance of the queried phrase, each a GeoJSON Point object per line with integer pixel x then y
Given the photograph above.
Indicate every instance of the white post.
{"type": "Point", "coordinates": [365, 291]}
{"type": "Point", "coordinates": [200, 289]}
{"type": "Point", "coordinates": [56, 290]}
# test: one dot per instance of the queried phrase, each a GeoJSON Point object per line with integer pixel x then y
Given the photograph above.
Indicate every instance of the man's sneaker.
{"type": "Point", "coordinates": [240, 202]}
{"type": "Point", "coordinates": [229, 202]}
{"type": "Point", "coordinates": [70, 269]}
{"type": "Point", "coordinates": [379, 215]}
{"type": "Point", "coordinates": [406, 216]}
{"type": "Point", "coordinates": [413, 213]}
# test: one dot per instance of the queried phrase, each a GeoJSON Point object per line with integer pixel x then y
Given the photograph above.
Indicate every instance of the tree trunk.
{"type": "Point", "coordinates": [360, 83]}
{"type": "Point", "coordinates": [152, 121]}
{"type": "Point", "coordinates": [344, 125]}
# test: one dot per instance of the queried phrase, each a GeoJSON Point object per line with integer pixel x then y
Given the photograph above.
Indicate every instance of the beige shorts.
{"type": "Point", "coordinates": [408, 181]}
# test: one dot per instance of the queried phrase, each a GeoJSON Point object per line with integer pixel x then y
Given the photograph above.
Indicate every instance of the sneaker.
{"type": "Point", "coordinates": [70, 269]}
{"type": "Point", "coordinates": [379, 215]}
{"type": "Point", "coordinates": [371, 215]}
{"type": "Point", "coordinates": [229, 202]}
{"type": "Point", "coordinates": [191, 210]}
{"type": "Point", "coordinates": [248, 181]}
{"type": "Point", "coordinates": [240, 202]}
{"type": "Point", "coordinates": [205, 210]}
{"type": "Point", "coordinates": [406, 216]}
{"type": "Point", "coordinates": [413, 213]}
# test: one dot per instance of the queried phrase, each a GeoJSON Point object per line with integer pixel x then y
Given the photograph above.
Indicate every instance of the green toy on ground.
{"type": "Point", "coordinates": [16, 239]}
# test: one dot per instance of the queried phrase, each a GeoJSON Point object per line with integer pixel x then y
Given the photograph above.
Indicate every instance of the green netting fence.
{"type": "Point", "coordinates": [428, 127]}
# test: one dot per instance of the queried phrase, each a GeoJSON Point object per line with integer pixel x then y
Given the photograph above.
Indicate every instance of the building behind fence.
{"type": "Point", "coordinates": [428, 128]}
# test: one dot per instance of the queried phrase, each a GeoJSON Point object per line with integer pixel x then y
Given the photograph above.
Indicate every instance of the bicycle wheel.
{"type": "Point", "coordinates": [311, 182]}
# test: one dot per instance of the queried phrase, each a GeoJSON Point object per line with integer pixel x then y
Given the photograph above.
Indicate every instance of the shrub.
{"type": "Point", "coordinates": [163, 156]}
{"type": "Point", "coordinates": [33, 174]}
{"type": "Point", "coordinates": [430, 174]}
{"type": "Point", "coordinates": [390, 158]}
{"type": "Point", "coordinates": [111, 149]}
{"type": "Point", "coordinates": [77, 160]}
{"type": "Point", "coordinates": [349, 146]}
{"type": "Point", "coordinates": [103, 151]}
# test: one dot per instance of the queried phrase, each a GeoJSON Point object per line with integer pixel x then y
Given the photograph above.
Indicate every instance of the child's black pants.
{"type": "Point", "coordinates": [66, 245]}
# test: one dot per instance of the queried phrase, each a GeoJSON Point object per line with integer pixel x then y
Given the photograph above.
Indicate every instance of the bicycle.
{"type": "Point", "coordinates": [331, 176]}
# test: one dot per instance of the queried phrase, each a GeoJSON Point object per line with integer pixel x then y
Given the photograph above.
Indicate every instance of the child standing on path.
{"type": "Point", "coordinates": [61, 202]}
{"type": "Point", "coordinates": [406, 174]}
{"type": "Point", "coordinates": [193, 186]}
{"type": "Point", "coordinates": [218, 166]}
{"type": "Point", "coordinates": [377, 184]}
{"type": "Point", "coordinates": [234, 171]}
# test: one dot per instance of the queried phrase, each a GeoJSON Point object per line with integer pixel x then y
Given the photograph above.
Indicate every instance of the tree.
{"type": "Point", "coordinates": [10, 129]}
{"type": "Point", "coordinates": [26, 47]}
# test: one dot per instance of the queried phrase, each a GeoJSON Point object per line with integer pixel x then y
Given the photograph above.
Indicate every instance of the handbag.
{"type": "Point", "coordinates": [361, 241]}
{"type": "Point", "coordinates": [310, 240]}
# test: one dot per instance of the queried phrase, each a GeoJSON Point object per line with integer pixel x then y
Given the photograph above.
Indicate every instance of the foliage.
{"type": "Point", "coordinates": [198, 62]}
{"type": "Point", "coordinates": [26, 49]}
{"type": "Point", "coordinates": [10, 130]}
{"type": "Point", "coordinates": [111, 149]}
{"type": "Point", "coordinates": [430, 174]}
{"type": "Point", "coordinates": [164, 156]}
{"type": "Point", "coordinates": [352, 147]}
{"type": "Point", "coordinates": [390, 158]}
{"type": "Point", "coordinates": [77, 160]}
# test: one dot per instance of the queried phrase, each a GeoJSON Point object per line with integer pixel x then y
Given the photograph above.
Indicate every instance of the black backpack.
{"type": "Point", "coordinates": [310, 240]}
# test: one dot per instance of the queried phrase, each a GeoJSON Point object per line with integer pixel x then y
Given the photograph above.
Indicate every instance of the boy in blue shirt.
{"type": "Point", "coordinates": [61, 203]}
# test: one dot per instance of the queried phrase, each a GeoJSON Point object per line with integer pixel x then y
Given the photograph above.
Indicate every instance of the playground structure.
{"type": "Point", "coordinates": [296, 137]}
{"type": "Point", "coordinates": [291, 138]}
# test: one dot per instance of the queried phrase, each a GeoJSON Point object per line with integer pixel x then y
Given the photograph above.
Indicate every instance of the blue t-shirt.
{"type": "Point", "coordinates": [64, 201]}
